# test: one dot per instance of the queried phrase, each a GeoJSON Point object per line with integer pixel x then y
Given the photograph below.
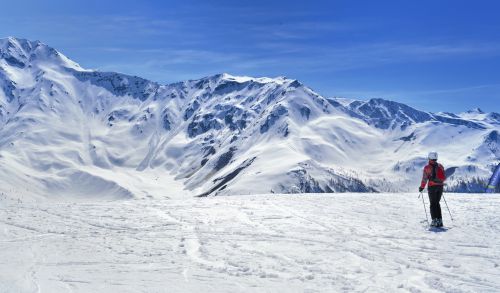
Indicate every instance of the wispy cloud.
{"type": "Point", "coordinates": [126, 26]}
{"type": "Point", "coordinates": [162, 64]}
{"type": "Point", "coordinates": [250, 45]}
{"type": "Point", "coordinates": [299, 30]}
{"type": "Point", "coordinates": [427, 92]}
{"type": "Point", "coordinates": [341, 58]}
{"type": "Point", "coordinates": [458, 90]}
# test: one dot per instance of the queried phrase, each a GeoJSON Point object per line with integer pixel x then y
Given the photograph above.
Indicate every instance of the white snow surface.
{"type": "Point", "coordinates": [265, 243]}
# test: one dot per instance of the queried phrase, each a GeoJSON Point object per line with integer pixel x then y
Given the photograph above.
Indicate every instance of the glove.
{"type": "Point", "coordinates": [420, 189]}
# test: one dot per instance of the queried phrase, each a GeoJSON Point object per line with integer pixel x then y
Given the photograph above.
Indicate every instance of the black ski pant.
{"type": "Point", "coordinates": [435, 193]}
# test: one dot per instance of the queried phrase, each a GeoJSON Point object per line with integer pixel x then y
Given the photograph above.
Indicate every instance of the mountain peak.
{"type": "Point", "coordinates": [20, 42]}
{"type": "Point", "coordinates": [19, 46]}
{"type": "Point", "coordinates": [19, 52]}
{"type": "Point", "coordinates": [475, 111]}
{"type": "Point", "coordinates": [343, 101]}
{"type": "Point", "coordinates": [387, 114]}
{"type": "Point", "coordinates": [242, 79]}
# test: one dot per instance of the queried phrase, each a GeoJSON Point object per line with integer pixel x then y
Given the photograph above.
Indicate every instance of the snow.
{"type": "Point", "coordinates": [344, 101]}
{"type": "Point", "coordinates": [61, 124]}
{"type": "Point", "coordinates": [261, 243]}
{"type": "Point", "coordinates": [278, 80]}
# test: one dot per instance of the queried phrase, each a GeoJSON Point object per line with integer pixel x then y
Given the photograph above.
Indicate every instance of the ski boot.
{"type": "Point", "coordinates": [439, 223]}
{"type": "Point", "coordinates": [434, 223]}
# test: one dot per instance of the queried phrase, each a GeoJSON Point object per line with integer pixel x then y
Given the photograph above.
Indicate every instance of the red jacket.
{"type": "Point", "coordinates": [439, 178]}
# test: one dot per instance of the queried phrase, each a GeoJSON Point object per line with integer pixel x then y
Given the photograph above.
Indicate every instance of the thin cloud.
{"type": "Point", "coordinates": [372, 94]}
{"type": "Point", "coordinates": [328, 59]}
{"type": "Point", "coordinates": [457, 90]}
{"type": "Point", "coordinates": [150, 62]}
{"type": "Point", "coordinates": [299, 30]}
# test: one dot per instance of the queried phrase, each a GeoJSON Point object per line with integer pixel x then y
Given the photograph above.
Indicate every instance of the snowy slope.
{"type": "Point", "coordinates": [468, 142]}
{"type": "Point", "coordinates": [264, 243]}
{"type": "Point", "coordinates": [68, 131]}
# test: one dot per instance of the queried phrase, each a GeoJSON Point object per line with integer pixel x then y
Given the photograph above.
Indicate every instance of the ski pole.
{"type": "Point", "coordinates": [425, 210]}
{"type": "Point", "coordinates": [448, 208]}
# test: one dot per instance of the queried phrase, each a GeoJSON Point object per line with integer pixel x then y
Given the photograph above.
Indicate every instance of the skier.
{"type": "Point", "coordinates": [434, 174]}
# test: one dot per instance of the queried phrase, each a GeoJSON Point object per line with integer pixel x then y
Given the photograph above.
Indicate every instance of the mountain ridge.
{"type": "Point", "coordinates": [61, 123]}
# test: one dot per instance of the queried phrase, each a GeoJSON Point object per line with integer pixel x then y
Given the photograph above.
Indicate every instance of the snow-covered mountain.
{"type": "Point", "coordinates": [65, 130]}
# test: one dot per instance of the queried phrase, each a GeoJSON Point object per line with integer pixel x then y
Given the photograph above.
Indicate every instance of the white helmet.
{"type": "Point", "coordinates": [433, 156]}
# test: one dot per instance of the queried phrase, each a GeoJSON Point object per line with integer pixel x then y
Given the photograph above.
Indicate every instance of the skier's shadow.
{"type": "Point", "coordinates": [438, 230]}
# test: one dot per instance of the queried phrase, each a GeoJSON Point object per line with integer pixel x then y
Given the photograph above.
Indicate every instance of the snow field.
{"type": "Point", "coordinates": [265, 243]}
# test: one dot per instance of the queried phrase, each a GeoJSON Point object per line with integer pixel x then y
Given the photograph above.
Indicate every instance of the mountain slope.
{"type": "Point", "coordinates": [65, 130]}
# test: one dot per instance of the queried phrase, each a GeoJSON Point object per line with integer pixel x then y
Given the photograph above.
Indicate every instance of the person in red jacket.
{"type": "Point", "coordinates": [435, 175]}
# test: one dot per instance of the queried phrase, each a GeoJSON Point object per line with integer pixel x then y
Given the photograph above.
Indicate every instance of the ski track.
{"type": "Point", "coordinates": [266, 243]}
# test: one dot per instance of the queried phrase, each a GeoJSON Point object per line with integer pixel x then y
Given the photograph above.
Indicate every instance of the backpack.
{"type": "Point", "coordinates": [437, 175]}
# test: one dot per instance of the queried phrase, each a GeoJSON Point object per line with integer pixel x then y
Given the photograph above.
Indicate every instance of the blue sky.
{"type": "Point", "coordinates": [433, 55]}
